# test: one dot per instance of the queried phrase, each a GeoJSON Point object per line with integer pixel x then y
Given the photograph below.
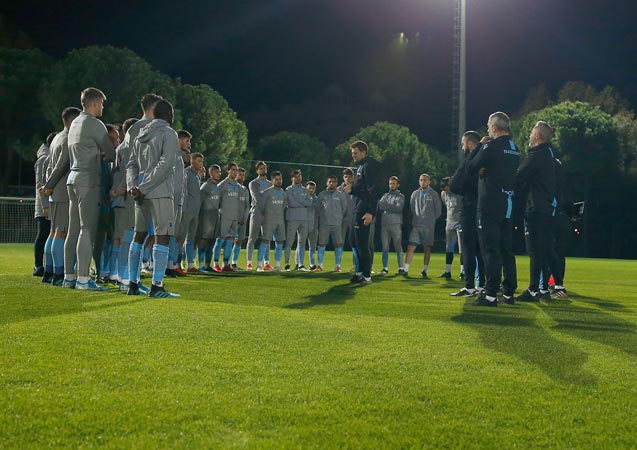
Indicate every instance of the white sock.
{"type": "Point", "coordinates": [425, 267]}
{"type": "Point", "coordinates": [83, 280]}
{"type": "Point", "coordinates": [406, 266]}
{"type": "Point", "coordinates": [69, 277]}
{"type": "Point", "coordinates": [448, 268]}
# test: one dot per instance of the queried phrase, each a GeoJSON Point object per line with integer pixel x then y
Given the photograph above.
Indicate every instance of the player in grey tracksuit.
{"type": "Point", "coordinates": [123, 210]}
{"type": "Point", "coordinates": [256, 188]}
{"type": "Point", "coordinates": [272, 207]}
{"type": "Point", "coordinates": [42, 244]}
{"type": "Point", "coordinates": [299, 200]}
{"type": "Point", "coordinates": [89, 145]}
{"type": "Point", "coordinates": [425, 209]}
{"type": "Point", "coordinates": [209, 217]}
{"type": "Point", "coordinates": [231, 215]}
{"type": "Point", "coordinates": [152, 165]}
{"type": "Point", "coordinates": [183, 151]}
{"type": "Point", "coordinates": [190, 209]}
{"type": "Point", "coordinates": [453, 229]}
{"type": "Point", "coordinates": [55, 187]}
{"type": "Point", "coordinates": [313, 214]}
{"type": "Point", "coordinates": [244, 205]}
{"type": "Point", "coordinates": [390, 208]}
{"type": "Point", "coordinates": [333, 207]}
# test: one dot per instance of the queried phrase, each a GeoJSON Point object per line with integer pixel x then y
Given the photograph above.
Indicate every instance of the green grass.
{"type": "Point", "coordinates": [303, 360]}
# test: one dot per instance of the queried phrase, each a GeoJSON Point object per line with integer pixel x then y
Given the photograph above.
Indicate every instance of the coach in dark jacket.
{"type": "Point", "coordinates": [365, 195]}
{"type": "Point", "coordinates": [462, 183]}
{"type": "Point", "coordinates": [536, 178]}
{"type": "Point", "coordinates": [496, 162]}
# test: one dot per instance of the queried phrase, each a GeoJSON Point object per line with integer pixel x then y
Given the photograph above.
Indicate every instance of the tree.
{"type": "Point", "coordinates": [122, 75]}
{"type": "Point", "coordinates": [22, 128]}
{"type": "Point", "coordinates": [626, 125]}
{"type": "Point", "coordinates": [609, 100]}
{"type": "Point", "coordinates": [216, 130]}
{"type": "Point", "coordinates": [295, 149]}
{"type": "Point", "coordinates": [400, 151]}
{"type": "Point", "coordinates": [537, 98]}
{"type": "Point", "coordinates": [586, 138]}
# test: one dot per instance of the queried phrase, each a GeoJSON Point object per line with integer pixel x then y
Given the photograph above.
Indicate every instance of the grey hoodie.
{"type": "Point", "coordinates": [41, 202]}
{"type": "Point", "coordinates": [88, 140]}
{"type": "Point", "coordinates": [299, 201]}
{"type": "Point", "coordinates": [153, 160]}
{"type": "Point", "coordinates": [334, 208]}
{"type": "Point", "coordinates": [192, 194]}
{"type": "Point", "coordinates": [210, 196]}
{"type": "Point", "coordinates": [59, 167]}
{"type": "Point", "coordinates": [127, 147]}
{"type": "Point", "coordinates": [257, 186]}
{"type": "Point", "coordinates": [390, 207]}
{"type": "Point", "coordinates": [425, 207]}
{"type": "Point", "coordinates": [453, 203]}
{"type": "Point", "coordinates": [272, 205]}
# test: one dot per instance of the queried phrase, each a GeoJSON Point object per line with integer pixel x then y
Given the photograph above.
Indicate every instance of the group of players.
{"type": "Point", "coordinates": [120, 195]}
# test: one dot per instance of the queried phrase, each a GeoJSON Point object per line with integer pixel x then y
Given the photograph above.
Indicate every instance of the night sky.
{"type": "Point", "coordinates": [276, 52]}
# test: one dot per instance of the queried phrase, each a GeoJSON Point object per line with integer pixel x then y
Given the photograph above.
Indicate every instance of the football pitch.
{"type": "Point", "coordinates": [306, 360]}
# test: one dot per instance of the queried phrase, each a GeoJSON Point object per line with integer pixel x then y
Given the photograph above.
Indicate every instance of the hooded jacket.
{"type": "Point", "coordinates": [59, 167]}
{"type": "Point", "coordinates": [333, 207]}
{"type": "Point", "coordinates": [390, 207]}
{"type": "Point", "coordinates": [88, 145]}
{"type": "Point", "coordinates": [41, 163]}
{"type": "Point", "coordinates": [500, 159]}
{"type": "Point", "coordinates": [536, 178]}
{"type": "Point", "coordinates": [425, 207]}
{"type": "Point", "coordinates": [153, 160]}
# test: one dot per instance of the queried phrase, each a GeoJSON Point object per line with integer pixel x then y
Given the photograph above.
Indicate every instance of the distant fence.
{"type": "Point", "coordinates": [17, 224]}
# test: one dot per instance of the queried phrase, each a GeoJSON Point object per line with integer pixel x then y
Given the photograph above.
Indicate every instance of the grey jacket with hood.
{"type": "Point", "coordinates": [153, 159]}
{"type": "Point", "coordinates": [425, 207]}
{"type": "Point", "coordinates": [41, 163]}
{"type": "Point", "coordinates": [59, 167]}
{"type": "Point", "coordinates": [88, 142]}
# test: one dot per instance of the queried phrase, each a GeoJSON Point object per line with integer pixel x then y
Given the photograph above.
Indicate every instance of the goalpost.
{"type": "Point", "coordinates": [17, 224]}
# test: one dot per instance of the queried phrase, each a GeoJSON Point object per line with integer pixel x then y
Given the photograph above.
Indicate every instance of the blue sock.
{"type": "Point", "coordinates": [261, 252]}
{"type": "Point", "coordinates": [202, 256]}
{"type": "Point", "coordinates": [48, 255]}
{"type": "Point", "coordinates": [300, 251]}
{"type": "Point", "coordinates": [106, 257]}
{"type": "Point", "coordinates": [160, 257]}
{"type": "Point", "coordinates": [236, 251]}
{"type": "Point", "coordinates": [399, 257]}
{"type": "Point", "coordinates": [278, 252]}
{"type": "Point", "coordinates": [321, 255]}
{"type": "Point", "coordinates": [216, 251]}
{"type": "Point", "coordinates": [124, 251]}
{"type": "Point", "coordinates": [338, 254]}
{"type": "Point", "coordinates": [312, 256]}
{"type": "Point", "coordinates": [113, 264]}
{"type": "Point", "coordinates": [147, 254]}
{"type": "Point", "coordinates": [355, 258]}
{"type": "Point", "coordinates": [134, 255]}
{"type": "Point", "coordinates": [385, 258]}
{"type": "Point", "coordinates": [190, 251]}
{"type": "Point", "coordinates": [172, 249]}
{"type": "Point", "coordinates": [57, 251]}
{"type": "Point", "coordinates": [227, 250]}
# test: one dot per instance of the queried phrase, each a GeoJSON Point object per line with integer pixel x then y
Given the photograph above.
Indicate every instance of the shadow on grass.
{"type": "Point", "coordinates": [62, 302]}
{"type": "Point", "coordinates": [514, 331]}
{"type": "Point", "coordinates": [336, 295]}
{"type": "Point", "coordinates": [593, 323]}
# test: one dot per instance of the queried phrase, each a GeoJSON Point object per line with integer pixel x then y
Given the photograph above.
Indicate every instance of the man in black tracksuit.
{"type": "Point", "coordinates": [365, 195]}
{"type": "Point", "coordinates": [496, 162]}
{"type": "Point", "coordinates": [463, 184]}
{"type": "Point", "coordinates": [560, 232]}
{"type": "Point", "coordinates": [536, 177]}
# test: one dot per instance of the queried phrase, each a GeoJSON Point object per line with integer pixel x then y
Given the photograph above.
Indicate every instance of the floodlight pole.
{"type": "Point", "coordinates": [459, 76]}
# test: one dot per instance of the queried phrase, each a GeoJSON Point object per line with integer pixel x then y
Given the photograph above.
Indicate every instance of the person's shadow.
{"type": "Point", "coordinates": [520, 331]}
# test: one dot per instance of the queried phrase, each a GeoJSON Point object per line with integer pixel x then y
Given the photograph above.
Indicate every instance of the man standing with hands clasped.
{"type": "Point", "coordinates": [365, 200]}
{"type": "Point", "coordinates": [497, 162]}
